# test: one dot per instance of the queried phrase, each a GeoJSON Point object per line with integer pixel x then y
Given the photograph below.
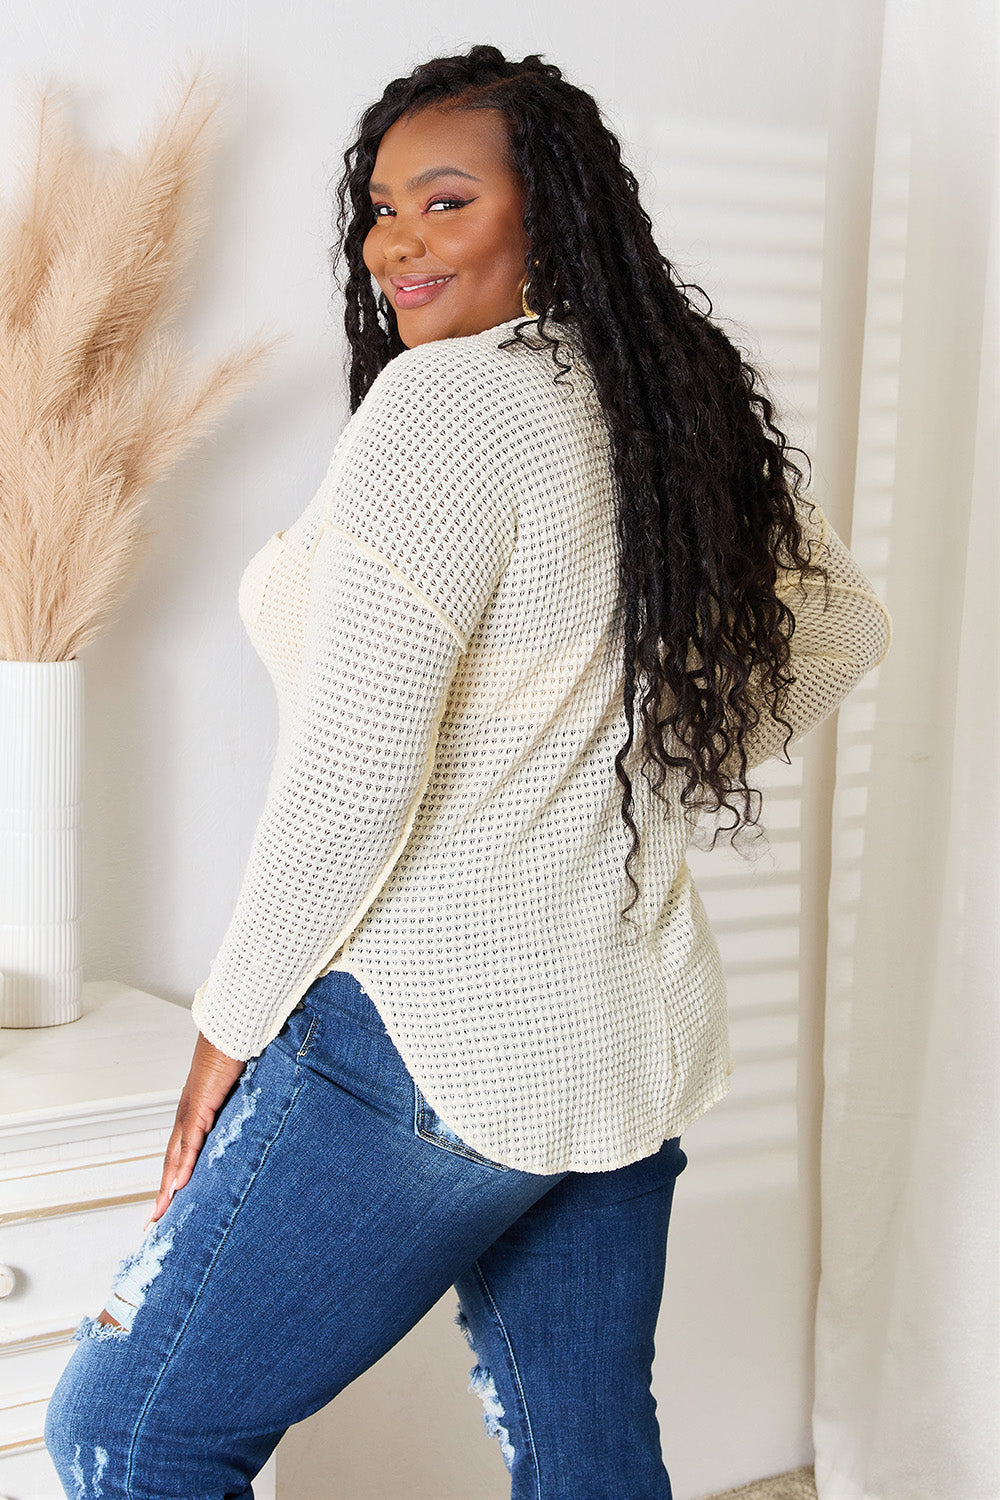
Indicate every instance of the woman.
{"type": "Point", "coordinates": [537, 618]}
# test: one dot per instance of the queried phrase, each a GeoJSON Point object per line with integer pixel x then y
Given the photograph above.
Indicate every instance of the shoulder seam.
{"type": "Point", "coordinates": [376, 556]}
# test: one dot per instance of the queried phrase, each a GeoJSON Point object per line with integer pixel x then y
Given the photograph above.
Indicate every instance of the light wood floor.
{"type": "Point", "coordinates": [795, 1485]}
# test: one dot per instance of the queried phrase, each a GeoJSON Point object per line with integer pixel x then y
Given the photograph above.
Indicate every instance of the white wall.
{"type": "Point", "coordinates": [723, 111]}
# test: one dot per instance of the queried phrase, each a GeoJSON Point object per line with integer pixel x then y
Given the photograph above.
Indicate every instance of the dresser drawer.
{"type": "Point", "coordinates": [70, 1210]}
{"type": "Point", "coordinates": [62, 1268]}
{"type": "Point", "coordinates": [86, 1110]}
{"type": "Point", "coordinates": [26, 1473]}
{"type": "Point", "coordinates": [65, 1223]}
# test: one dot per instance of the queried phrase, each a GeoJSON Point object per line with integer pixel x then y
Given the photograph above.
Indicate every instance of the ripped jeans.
{"type": "Point", "coordinates": [330, 1208]}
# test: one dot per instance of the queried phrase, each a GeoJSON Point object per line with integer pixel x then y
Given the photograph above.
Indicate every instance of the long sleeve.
{"type": "Point", "coordinates": [403, 566]}
{"type": "Point", "coordinates": [376, 673]}
{"type": "Point", "coordinates": [835, 643]}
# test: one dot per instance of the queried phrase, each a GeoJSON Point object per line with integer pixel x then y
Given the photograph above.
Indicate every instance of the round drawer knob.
{"type": "Point", "coordinates": [6, 1284]}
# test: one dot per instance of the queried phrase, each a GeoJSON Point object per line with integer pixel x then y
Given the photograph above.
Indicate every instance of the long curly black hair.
{"type": "Point", "coordinates": [705, 484]}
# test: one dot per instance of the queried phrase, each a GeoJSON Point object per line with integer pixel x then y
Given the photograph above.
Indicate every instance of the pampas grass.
{"type": "Point", "coordinates": [95, 404]}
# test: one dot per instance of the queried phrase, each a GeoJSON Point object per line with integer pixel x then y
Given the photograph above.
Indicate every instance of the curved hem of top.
{"type": "Point", "coordinates": [344, 965]}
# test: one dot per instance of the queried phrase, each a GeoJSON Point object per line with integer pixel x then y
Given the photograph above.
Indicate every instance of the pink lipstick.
{"type": "Point", "coordinates": [415, 291]}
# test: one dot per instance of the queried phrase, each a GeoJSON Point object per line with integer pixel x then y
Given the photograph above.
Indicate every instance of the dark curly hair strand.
{"type": "Point", "coordinates": [705, 484]}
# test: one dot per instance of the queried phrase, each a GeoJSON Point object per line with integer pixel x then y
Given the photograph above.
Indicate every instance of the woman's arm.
{"type": "Point", "coordinates": [377, 666]}
{"type": "Point", "coordinates": [834, 645]}
{"type": "Point", "coordinates": [418, 528]}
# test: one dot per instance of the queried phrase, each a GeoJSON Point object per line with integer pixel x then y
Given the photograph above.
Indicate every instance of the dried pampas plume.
{"type": "Point", "coordinates": [94, 403]}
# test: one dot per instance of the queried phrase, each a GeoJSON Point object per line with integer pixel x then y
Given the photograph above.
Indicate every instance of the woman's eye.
{"type": "Point", "coordinates": [383, 210]}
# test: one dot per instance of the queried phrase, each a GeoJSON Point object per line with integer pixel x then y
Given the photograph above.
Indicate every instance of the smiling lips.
{"type": "Point", "coordinates": [414, 291]}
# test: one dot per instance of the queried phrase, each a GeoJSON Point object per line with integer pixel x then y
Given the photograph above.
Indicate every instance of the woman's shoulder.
{"type": "Point", "coordinates": [440, 407]}
{"type": "Point", "coordinates": [468, 420]}
{"type": "Point", "coordinates": [473, 373]}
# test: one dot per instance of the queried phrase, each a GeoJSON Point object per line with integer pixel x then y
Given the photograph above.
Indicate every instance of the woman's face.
{"type": "Point", "coordinates": [448, 244]}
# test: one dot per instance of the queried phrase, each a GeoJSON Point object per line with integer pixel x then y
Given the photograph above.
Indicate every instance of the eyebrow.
{"type": "Point", "coordinates": [424, 177]}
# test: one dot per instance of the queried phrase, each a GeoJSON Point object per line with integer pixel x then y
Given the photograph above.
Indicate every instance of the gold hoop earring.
{"type": "Point", "coordinates": [528, 311]}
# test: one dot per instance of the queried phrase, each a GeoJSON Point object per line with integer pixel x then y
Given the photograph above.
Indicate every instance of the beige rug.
{"type": "Point", "coordinates": [796, 1485]}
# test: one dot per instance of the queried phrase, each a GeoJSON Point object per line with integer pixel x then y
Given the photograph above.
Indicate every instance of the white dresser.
{"type": "Point", "coordinates": [85, 1113]}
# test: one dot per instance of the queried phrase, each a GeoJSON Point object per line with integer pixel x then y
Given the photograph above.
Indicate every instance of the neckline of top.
{"type": "Point", "coordinates": [567, 326]}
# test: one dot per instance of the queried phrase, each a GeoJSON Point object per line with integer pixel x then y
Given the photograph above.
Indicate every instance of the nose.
{"type": "Point", "coordinates": [403, 240]}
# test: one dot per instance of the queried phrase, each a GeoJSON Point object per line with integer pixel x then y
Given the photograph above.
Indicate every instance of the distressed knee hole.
{"type": "Point", "coordinates": [482, 1384]}
{"type": "Point", "coordinates": [134, 1277]}
{"type": "Point", "coordinates": [83, 1486]}
{"type": "Point", "coordinates": [97, 1328]}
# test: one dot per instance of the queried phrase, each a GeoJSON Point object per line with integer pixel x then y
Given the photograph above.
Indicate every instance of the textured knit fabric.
{"type": "Point", "coordinates": [443, 817]}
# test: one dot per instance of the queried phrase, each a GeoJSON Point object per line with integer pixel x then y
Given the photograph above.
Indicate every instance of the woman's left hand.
{"type": "Point", "coordinates": [211, 1079]}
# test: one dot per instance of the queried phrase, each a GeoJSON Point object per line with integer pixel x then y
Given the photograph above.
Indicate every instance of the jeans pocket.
{"type": "Point", "coordinates": [310, 1030]}
{"type": "Point", "coordinates": [428, 1124]}
{"type": "Point", "coordinates": [298, 1034]}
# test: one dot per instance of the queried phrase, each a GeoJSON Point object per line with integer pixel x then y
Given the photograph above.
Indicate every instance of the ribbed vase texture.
{"type": "Point", "coordinates": [40, 749]}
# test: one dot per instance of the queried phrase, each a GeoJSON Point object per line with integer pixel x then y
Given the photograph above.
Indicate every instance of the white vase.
{"type": "Point", "coordinates": [40, 748]}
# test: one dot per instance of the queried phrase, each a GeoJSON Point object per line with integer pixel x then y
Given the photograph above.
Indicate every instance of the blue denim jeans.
{"type": "Point", "coordinates": [329, 1210]}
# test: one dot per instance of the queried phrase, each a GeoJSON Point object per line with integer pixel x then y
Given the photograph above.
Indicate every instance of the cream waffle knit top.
{"type": "Point", "coordinates": [443, 817]}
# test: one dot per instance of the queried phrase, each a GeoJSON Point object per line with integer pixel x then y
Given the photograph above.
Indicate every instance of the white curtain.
{"type": "Point", "coordinates": [907, 1364]}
